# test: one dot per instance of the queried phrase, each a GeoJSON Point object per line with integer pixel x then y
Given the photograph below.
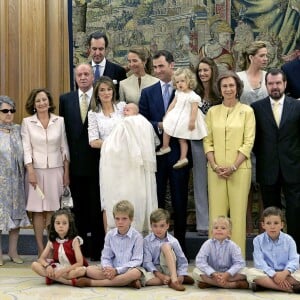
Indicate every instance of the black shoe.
{"type": "Point", "coordinates": [257, 288]}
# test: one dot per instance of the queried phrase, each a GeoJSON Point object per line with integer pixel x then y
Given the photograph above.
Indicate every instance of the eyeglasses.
{"type": "Point", "coordinates": [6, 111]}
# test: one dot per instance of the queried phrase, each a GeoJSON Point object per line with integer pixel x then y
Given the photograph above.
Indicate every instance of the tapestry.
{"type": "Point", "coordinates": [190, 29]}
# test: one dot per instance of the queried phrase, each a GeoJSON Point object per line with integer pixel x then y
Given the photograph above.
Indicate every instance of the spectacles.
{"type": "Point", "coordinates": [6, 111]}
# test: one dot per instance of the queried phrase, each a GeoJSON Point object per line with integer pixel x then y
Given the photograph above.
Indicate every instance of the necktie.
{"type": "Point", "coordinates": [83, 107]}
{"type": "Point", "coordinates": [276, 112]}
{"type": "Point", "coordinates": [97, 73]}
{"type": "Point", "coordinates": [166, 95]}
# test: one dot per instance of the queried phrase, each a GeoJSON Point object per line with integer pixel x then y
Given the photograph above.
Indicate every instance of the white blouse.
{"type": "Point", "coordinates": [100, 126]}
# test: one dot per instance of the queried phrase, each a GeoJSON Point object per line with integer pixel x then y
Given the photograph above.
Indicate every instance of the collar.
{"type": "Point", "coordinates": [128, 233]}
{"type": "Point", "coordinates": [274, 241]}
{"type": "Point", "coordinates": [60, 241]}
{"type": "Point", "coordinates": [53, 118]}
{"type": "Point", "coordinates": [102, 63]}
{"type": "Point", "coordinates": [89, 93]}
{"type": "Point", "coordinates": [162, 84]}
{"type": "Point", "coordinates": [154, 237]}
{"type": "Point", "coordinates": [220, 242]}
{"type": "Point", "coordinates": [280, 101]}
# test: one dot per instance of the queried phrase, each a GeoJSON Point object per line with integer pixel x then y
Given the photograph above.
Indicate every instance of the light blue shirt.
{"type": "Point", "coordinates": [271, 256]}
{"type": "Point", "coordinates": [215, 256]}
{"type": "Point", "coordinates": [122, 251]}
{"type": "Point", "coordinates": [152, 245]}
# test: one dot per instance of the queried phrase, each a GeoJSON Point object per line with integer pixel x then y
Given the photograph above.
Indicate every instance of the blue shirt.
{"type": "Point", "coordinates": [122, 251]}
{"type": "Point", "coordinates": [215, 256]}
{"type": "Point", "coordinates": [152, 245]}
{"type": "Point", "coordinates": [271, 256]}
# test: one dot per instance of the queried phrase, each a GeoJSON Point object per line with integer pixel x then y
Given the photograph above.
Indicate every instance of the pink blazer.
{"type": "Point", "coordinates": [44, 148]}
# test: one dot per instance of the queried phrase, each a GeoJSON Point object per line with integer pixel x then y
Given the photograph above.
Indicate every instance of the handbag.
{"type": "Point", "coordinates": [66, 200]}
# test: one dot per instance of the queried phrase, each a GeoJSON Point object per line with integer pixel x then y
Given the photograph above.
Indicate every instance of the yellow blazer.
{"type": "Point", "coordinates": [130, 91]}
{"type": "Point", "coordinates": [44, 148]}
{"type": "Point", "coordinates": [230, 130]}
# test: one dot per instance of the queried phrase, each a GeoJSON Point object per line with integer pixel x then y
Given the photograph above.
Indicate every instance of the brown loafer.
{"type": "Point", "coordinates": [204, 285]}
{"type": "Point", "coordinates": [81, 282]}
{"type": "Point", "coordinates": [176, 286]}
{"type": "Point", "coordinates": [188, 280]}
{"type": "Point", "coordinates": [242, 284]}
{"type": "Point", "coordinates": [135, 284]}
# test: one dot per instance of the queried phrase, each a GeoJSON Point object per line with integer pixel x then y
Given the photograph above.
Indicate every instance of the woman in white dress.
{"type": "Point", "coordinates": [183, 119]}
{"type": "Point", "coordinates": [255, 60]}
{"type": "Point", "coordinates": [140, 65]}
{"type": "Point", "coordinates": [105, 113]}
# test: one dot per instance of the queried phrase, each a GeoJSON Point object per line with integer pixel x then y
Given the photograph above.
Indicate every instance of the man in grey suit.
{"type": "Point", "coordinates": [277, 149]}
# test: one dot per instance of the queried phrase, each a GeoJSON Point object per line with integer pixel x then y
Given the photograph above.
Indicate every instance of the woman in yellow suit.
{"type": "Point", "coordinates": [231, 132]}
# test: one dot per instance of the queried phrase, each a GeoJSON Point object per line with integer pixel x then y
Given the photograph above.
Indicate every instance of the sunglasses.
{"type": "Point", "coordinates": [6, 111]}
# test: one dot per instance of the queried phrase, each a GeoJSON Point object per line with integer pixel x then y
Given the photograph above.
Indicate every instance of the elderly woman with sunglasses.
{"type": "Point", "coordinates": [12, 195]}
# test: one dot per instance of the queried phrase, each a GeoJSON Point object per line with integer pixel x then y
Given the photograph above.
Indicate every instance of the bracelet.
{"type": "Point", "coordinates": [233, 168]}
{"type": "Point", "coordinates": [215, 168]}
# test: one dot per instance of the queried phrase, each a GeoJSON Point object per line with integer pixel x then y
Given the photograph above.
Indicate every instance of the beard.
{"type": "Point", "coordinates": [276, 94]}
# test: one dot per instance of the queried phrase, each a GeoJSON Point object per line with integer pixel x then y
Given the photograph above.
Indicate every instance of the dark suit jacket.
{"type": "Point", "coordinates": [292, 72]}
{"type": "Point", "coordinates": [277, 149]}
{"type": "Point", "coordinates": [84, 160]}
{"type": "Point", "coordinates": [115, 72]}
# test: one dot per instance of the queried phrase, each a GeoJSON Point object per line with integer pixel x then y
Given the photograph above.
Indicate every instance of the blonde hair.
{"type": "Point", "coordinates": [188, 74]}
{"type": "Point", "coordinates": [223, 219]}
{"type": "Point", "coordinates": [159, 215]}
{"type": "Point", "coordinates": [124, 207]}
{"type": "Point", "coordinates": [252, 49]}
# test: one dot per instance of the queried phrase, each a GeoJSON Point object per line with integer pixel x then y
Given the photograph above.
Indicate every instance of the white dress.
{"type": "Point", "coordinates": [176, 121]}
{"type": "Point", "coordinates": [127, 170]}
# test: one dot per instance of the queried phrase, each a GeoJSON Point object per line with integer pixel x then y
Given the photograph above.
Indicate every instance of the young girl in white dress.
{"type": "Point", "coordinates": [183, 119]}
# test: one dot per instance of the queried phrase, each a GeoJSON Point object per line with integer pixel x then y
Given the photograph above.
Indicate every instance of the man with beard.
{"type": "Point", "coordinates": [277, 149]}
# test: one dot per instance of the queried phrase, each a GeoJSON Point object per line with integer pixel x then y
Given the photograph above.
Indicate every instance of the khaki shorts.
{"type": "Point", "coordinates": [254, 273]}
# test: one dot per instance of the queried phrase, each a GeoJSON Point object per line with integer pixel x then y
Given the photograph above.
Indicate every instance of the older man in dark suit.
{"type": "Point", "coordinates": [277, 149]}
{"type": "Point", "coordinates": [153, 104]}
{"type": "Point", "coordinates": [98, 43]}
{"type": "Point", "coordinates": [84, 162]}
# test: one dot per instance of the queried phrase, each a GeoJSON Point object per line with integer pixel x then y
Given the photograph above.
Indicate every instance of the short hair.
{"type": "Point", "coordinates": [134, 106]}
{"type": "Point", "coordinates": [274, 72]}
{"type": "Point", "coordinates": [189, 76]}
{"type": "Point", "coordinates": [224, 219]}
{"type": "Point", "coordinates": [160, 215]}
{"type": "Point", "coordinates": [272, 211]}
{"type": "Point", "coordinates": [252, 49]}
{"type": "Point", "coordinates": [238, 82]}
{"type": "Point", "coordinates": [7, 100]}
{"type": "Point", "coordinates": [30, 103]}
{"type": "Point", "coordinates": [95, 101]}
{"type": "Point", "coordinates": [98, 35]}
{"type": "Point", "coordinates": [145, 56]}
{"type": "Point", "coordinates": [72, 232]}
{"type": "Point", "coordinates": [124, 207]}
{"type": "Point", "coordinates": [167, 54]}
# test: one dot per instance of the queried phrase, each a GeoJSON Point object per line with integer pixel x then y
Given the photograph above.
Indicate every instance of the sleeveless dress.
{"type": "Point", "coordinates": [176, 121]}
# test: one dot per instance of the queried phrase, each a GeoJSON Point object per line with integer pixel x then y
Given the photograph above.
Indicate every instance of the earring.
{"type": "Point", "coordinates": [34, 110]}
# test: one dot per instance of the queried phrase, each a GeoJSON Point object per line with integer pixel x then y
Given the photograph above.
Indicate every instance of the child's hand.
{"type": "Point", "coordinates": [191, 125]}
{"type": "Point", "coordinates": [50, 272]}
{"type": "Point", "coordinates": [165, 279]}
{"type": "Point", "coordinates": [109, 272]}
{"type": "Point", "coordinates": [222, 278]}
{"type": "Point", "coordinates": [280, 279]}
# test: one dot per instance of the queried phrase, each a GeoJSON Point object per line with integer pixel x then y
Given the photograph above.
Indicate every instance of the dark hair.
{"type": "Point", "coordinates": [30, 103]}
{"type": "Point", "coordinates": [238, 82]}
{"type": "Point", "coordinates": [95, 101]}
{"type": "Point", "coordinates": [145, 57]}
{"type": "Point", "coordinates": [98, 35]}
{"type": "Point", "coordinates": [72, 232]}
{"type": "Point", "coordinates": [214, 97]}
{"type": "Point", "coordinates": [167, 54]}
{"type": "Point", "coordinates": [271, 211]}
{"type": "Point", "coordinates": [274, 72]}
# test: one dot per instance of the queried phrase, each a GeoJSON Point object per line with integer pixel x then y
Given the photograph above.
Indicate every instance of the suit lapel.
{"type": "Point", "coordinates": [287, 106]}
{"type": "Point", "coordinates": [268, 112]}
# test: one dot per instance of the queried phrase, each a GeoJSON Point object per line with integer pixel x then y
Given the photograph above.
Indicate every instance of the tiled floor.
{"type": "Point", "coordinates": [18, 282]}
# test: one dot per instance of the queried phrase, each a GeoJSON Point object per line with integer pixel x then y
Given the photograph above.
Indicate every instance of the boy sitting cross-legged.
{"type": "Point", "coordinates": [219, 262]}
{"type": "Point", "coordinates": [122, 253]}
{"type": "Point", "coordinates": [275, 257]}
{"type": "Point", "coordinates": [163, 257]}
